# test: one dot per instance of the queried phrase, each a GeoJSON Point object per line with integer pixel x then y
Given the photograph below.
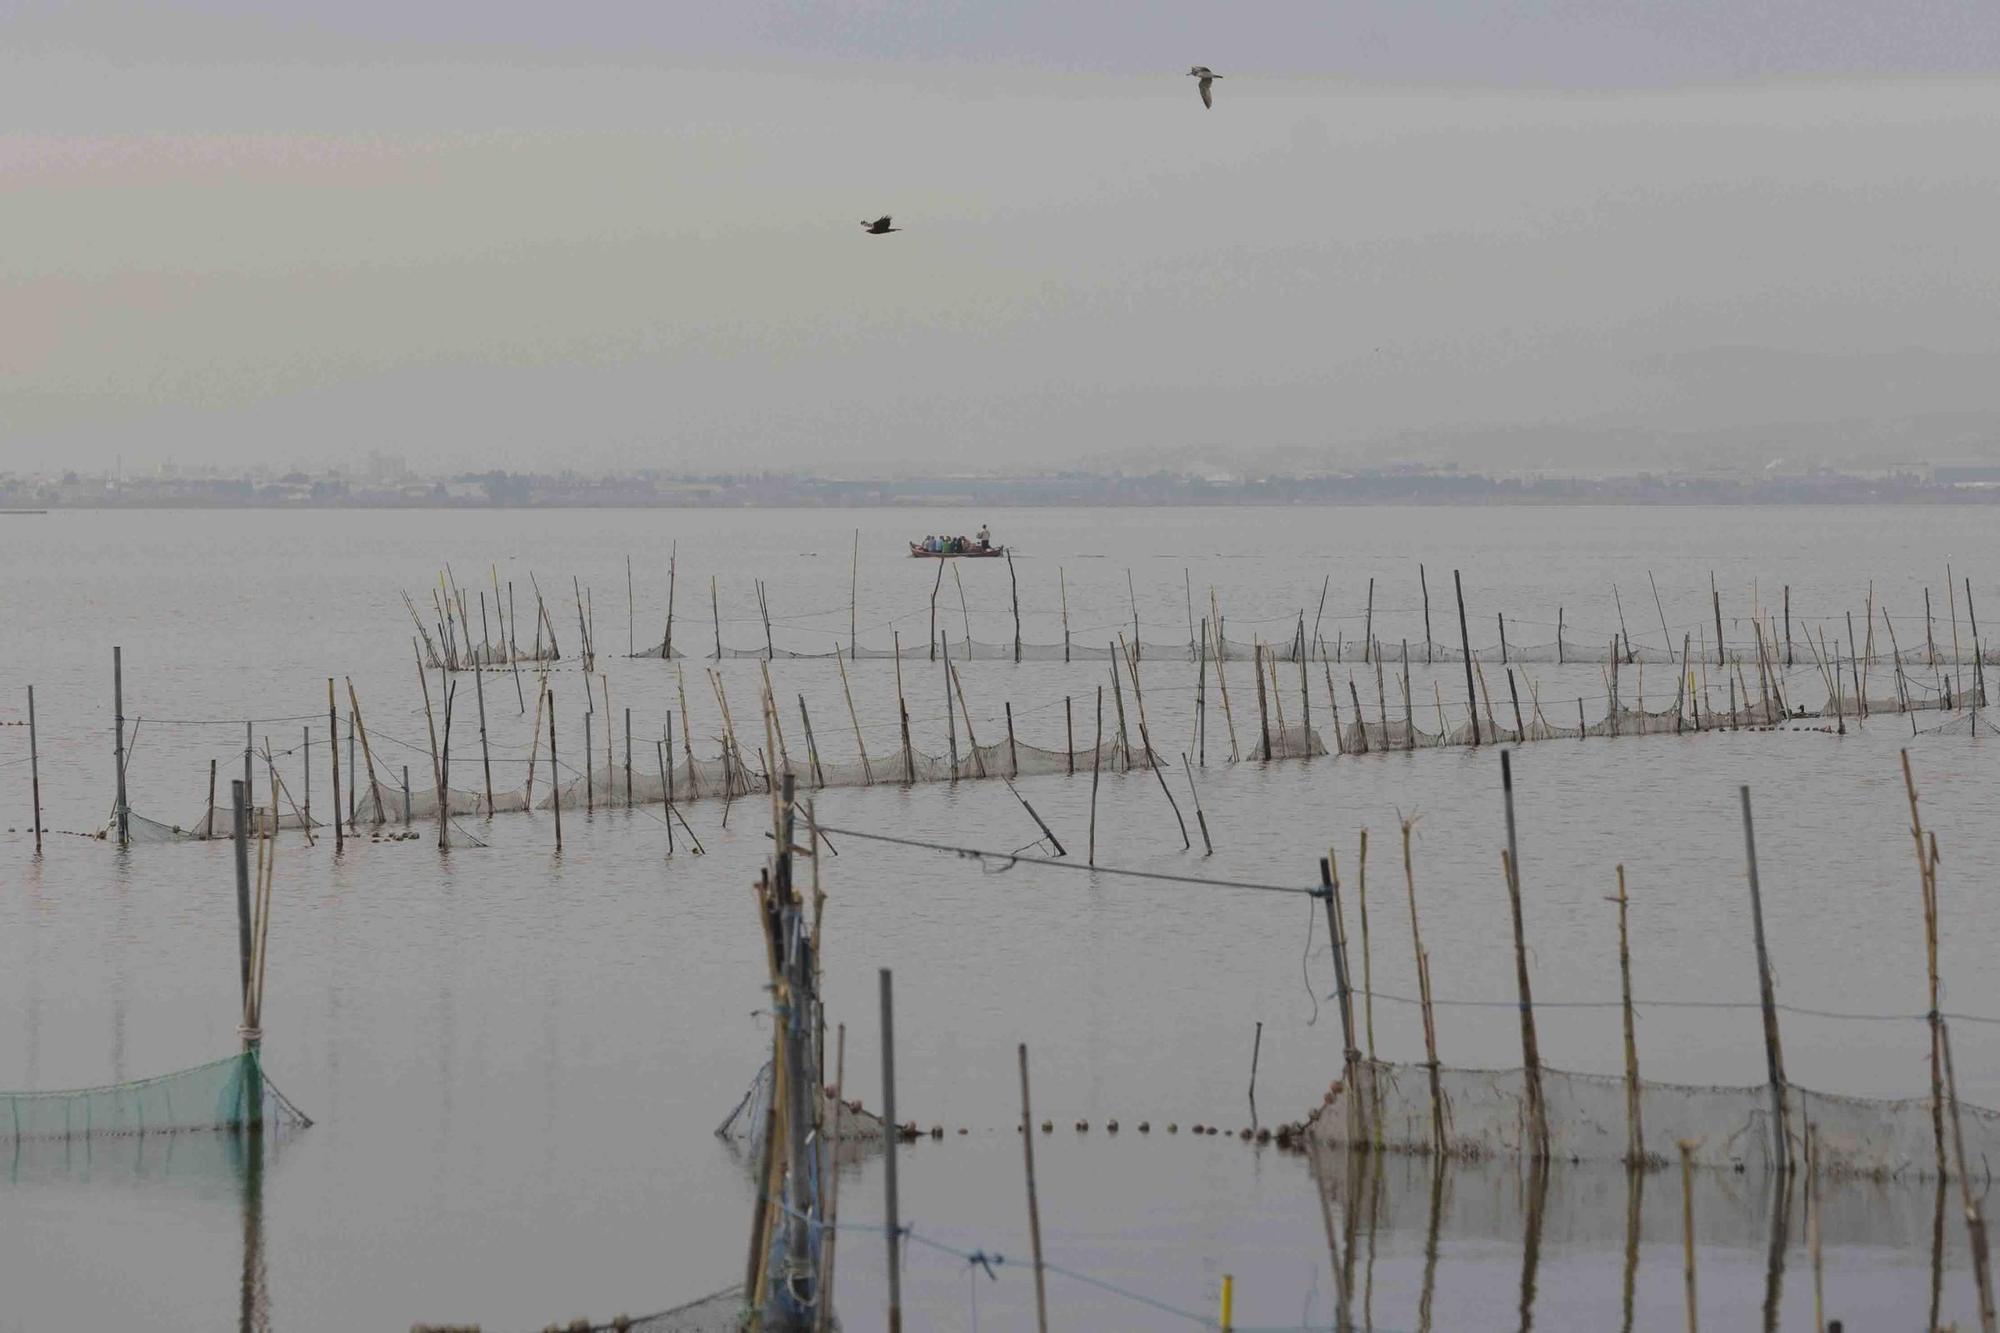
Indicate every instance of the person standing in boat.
{"type": "Point", "coordinates": [985, 538]}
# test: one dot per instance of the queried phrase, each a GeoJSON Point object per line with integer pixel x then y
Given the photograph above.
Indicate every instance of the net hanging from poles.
{"type": "Point", "coordinates": [228, 1094]}
{"type": "Point", "coordinates": [1485, 1114]}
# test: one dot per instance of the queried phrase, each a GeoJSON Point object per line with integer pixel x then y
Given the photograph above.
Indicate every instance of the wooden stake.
{"type": "Point", "coordinates": [812, 746]}
{"type": "Point", "coordinates": [1502, 616]}
{"type": "Point", "coordinates": [1013, 755]}
{"type": "Point", "coordinates": [903, 713]}
{"type": "Point", "coordinates": [891, 1228]}
{"type": "Point", "coordinates": [1062, 585]}
{"type": "Point", "coordinates": [867, 771]}
{"type": "Point", "coordinates": [1208, 848]}
{"type": "Point", "coordinates": [437, 760]}
{"type": "Point", "coordinates": [1774, 1056]}
{"type": "Point", "coordinates": [1096, 764]}
{"type": "Point", "coordinates": [1465, 645]}
{"type": "Point", "coordinates": [950, 713]}
{"type": "Point", "coordinates": [1367, 954]}
{"type": "Point", "coordinates": [1069, 737]}
{"type": "Point", "coordinates": [209, 821]}
{"type": "Point", "coordinates": [1034, 1207]}
{"type": "Point", "coordinates": [1425, 584]}
{"type": "Point", "coordinates": [715, 614]}
{"type": "Point", "coordinates": [35, 773]}
{"type": "Point", "coordinates": [1040, 823]}
{"type": "Point", "coordinates": [673, 578]}
{"type": "Point", "coordinates": [122, 812]}
{"type": "Point", "coordinates": [1368, 626]}
{"type": "Point", "coordinates": [1263, 715]}
{"type": "Point", "coordinates": [486, 756]}
{"type": "Point", "coordinates": [934, 596]}
{"type": "Point", "coordinates": [1715, 596]}
{"type": "Point", "coordinates": [1635, 1134]}
{"type": "Point", "coordinates": [1438, 1134]}
{"type": "Point", "coordinates": [1118, 698]}
{"type": "Point", "coordinates": [1531, 1053]}
{"type": "Point", "coordinates": [1015, 588]}
{"type": "Point", "coordinates": [853, 601]}
{"type": "Point", "coordinates": [964, 612]}
{"type": "Point", "coordinates": [333, 748]}
{"type": "Point", "coordinates": [357, 726]}
{"type": "Point", "coordinates": [1515, 694]}
{"type": "Point", "coordinates": [965, 714]}
{"type": "Point", "coordinates": [1222, 677]}
{"type": "Point", "coordinates": [1927, 888]}
{"type": "Point", "coordinates": [555, 777]}
{"type": "Point", "coordinates": [1975, 1220]}
{"type": "Point", "coordinates": [1666, 635]}
{"type": "Point", "coordinates": [1687, 1147]}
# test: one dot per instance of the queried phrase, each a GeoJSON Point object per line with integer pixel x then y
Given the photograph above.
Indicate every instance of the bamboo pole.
{"type": "Point", "coordinates": [950, 713]}
{"type": "Point", "coordinates": [1666, 635]}
{"type": "Point", "coordinates": [1329, 896]}
{"type": "Point", "coordinates": [1360, 718]}
{"type": "Point", "coordinates": [1096, 764]}
{"type": "Point", "coordinates": [555, 778]}
{"type": "Point", "coordinates": [1069, 737]}
{"type": "Point", "coordinates": [673, 579]}
{"type": "Point", "coordinates": [1502, 617]}
{"type": "Point", "coordinates": [208, 830]}
{"type": "Point", "coordinates": [1715, 598]}
{"type": "Point", "coordinates": [437, 760]}
{"type": "Point", "coordinates": [589, 782]}
{"type": "Point", "coordinates": [486, 756]}
{"type": "Point", "coordinates": [1146, 741]}
{"type": "Point", "coordinates": [1975, 1220]}
{"type": "Point", "coordinates": [867, 771]}
{"type": "Point", "coordinates": [1222, 677]}
{"type": "Point", "coordinates": [333, 748]}
{"type": "Point", "coordinates": [305, 766]}
{"type": "Point", "coordinates": [1531, 1051]}
{"type": "Point", "coordinates": [1034, 1207]}
{"type": "Point", "coordinates": [1424, 583]}
{"type": "Point", "coordinates": [965, 612]}
{"type": "Point", "coordinates": [1062, 586]}
{"type": "Point", "coordinates": [1927, 887]}
{"type": "Point", "coordinates": [1263, 714]}
{"type": "Point", "coordinates": [1368, 626]}
{"type": "Point", "coordinates": [965, 713]}
{"type": "Point", "coordinates": [1619, 602]}
{"type": "Point", "coordinates": [628, 759]}
{"type": "Point", "coordinates": [1813, 1228]}
{"type": "Point", "coordinates": [1438, 1132]}
{"type": "Point", "coordinates": [891, 1229]}
{"type": "Point", "coordinates": [715, 615]}
{"type": "Point", "coordinates": [764, 610]}
{"type": "Point", "coordinates": [1515, 694]}
{"type": "Point", "coordinates": [1013, 754]}
{"type": "Point", "coordinates": [812, 746]}
{"type": "Point", "coordinates": [934, 596]}
{"type": "Point", "coordinates": [1118, 698]}
{"type": "Point", "coordinates": [1465, 644]}
{"type": "Point", "coordinates": [1201, 697]}
{"type": "Point", "coordinates": [1015, 588]}
{"type": "Point", "coordinates": [903, 713]}
{"type": "Point", "coordinates": [1325, 584]}
{"type": "Point", "coordinates": [1635, 1136]}
{"type": "Point", "coordinates": [122, 811]}
{"type": "Point", "coordinates": [660, 756]}
{"type": "Point", "coordinates": [35, 777]}
{"type": "Point", "coordinates": [823, 1316]}
{"type": "Point", "coordinates": [1930, 637]}
{"type": "Point", "coordinates": [534, 746]}
{"type": "Point", "coordinates": [1133, 593]}
{"type": "Point", "coordinates": [1774, 1056]}
{"type": "Point", "coordinates": [853, 600]}
{"type": "Point", "coordinates": [1687, 1147]}
{"type": "Point", "coordinates": [357, 726]}
{"type": "Point", "coordinates": [1201, 819]}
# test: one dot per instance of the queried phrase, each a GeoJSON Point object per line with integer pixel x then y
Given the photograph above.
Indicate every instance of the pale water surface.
{"type": "Point", "coordinates": [515, 1060]}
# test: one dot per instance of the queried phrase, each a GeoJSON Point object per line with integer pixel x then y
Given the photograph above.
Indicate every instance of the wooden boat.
{"type": "Point", "coordinates": [970, 553]}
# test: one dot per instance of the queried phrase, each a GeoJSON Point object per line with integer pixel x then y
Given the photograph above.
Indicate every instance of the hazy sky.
{"type": "Point", "coordinates": [509, 234]}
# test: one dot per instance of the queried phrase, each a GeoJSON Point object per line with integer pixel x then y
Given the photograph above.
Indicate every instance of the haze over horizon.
{"type": "Point", "coordinates": [509, 236]}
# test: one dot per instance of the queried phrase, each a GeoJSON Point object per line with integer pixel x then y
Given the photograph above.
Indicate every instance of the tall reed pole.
{"type": "Point", "coordinates": [1034, 1205]}
{"type": "Point", "coordinates": [1096, 769]}
{"type": "Point", "coordinates": [1666, 635]}
{"type": "Point", "coordinates": [555, 777]}
{"type": "Point", "coordinates": [892, 1229]}
{"type": "Point", "coordinates": [1975, 1219]}
{"type": "Point", "coordinates": [1687, 1147]}
{"type": "Point", "coordinates": [854, 598]}
{"type": "Point", "coordinates": [333, 748]}
{"type": "Point", "coordinates": [122, 811]}
{"type": "Point", "coordinates": [239, 803]}
{"type": "Point", "coordinates": [1424, 583]}
{"type": "Point", "coordinates": [1927, 884]}
{"type": "Point", "coordinates": [1774, 1055]}
{"type": "Point", "coordinates": [35, 770]}
{"type": "Point", "coordinates": [1465, 644]}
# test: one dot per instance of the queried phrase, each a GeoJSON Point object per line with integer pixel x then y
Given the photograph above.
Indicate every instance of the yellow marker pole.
{"type": "Point", "coordinates": [1228, 1301]}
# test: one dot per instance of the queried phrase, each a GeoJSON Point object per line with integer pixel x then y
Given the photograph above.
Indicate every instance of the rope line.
{"type": "Point", "coordinates": [1015, 858]}
{"type": "Point", "coordinates": [1803, 1010]}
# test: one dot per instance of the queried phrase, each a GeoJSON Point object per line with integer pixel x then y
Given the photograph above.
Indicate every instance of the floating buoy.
{"type": "Point", "coordinates": [937, 1131]}
{"type": "Point", "coordinates": [1111, 1127]}
{"type": "Point", "coordinates": [1198, 1128]}
{"type": "Point", "coordinates": [1145, 1127]}
{"type": "Point", "coordinates": [1048, 1126]}
{"type": "Point", "coordinates": [1173, 1128]}
{"type": "Point", "coordinates": [961, 1129]}
{"type": "Point", "coordinates": [1212, 1131]}
{"type": "Point", "coordinates": [1083, 1126]}
{"type": "Point", "coordinates": [1263, 1136]}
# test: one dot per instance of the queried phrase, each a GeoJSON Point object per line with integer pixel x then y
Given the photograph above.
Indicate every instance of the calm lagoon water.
{"type": "Point", "coordinates": [515, 1060]}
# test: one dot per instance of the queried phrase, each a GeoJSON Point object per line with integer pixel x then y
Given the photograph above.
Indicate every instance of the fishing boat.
{"type": "Point", "coordinates": [970, 553]}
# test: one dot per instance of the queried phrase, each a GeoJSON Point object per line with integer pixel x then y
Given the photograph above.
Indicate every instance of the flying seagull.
{"type": "Point", "coordinates": [1207, 78]}
{"type": "Point", "coordinates": [879, 227]}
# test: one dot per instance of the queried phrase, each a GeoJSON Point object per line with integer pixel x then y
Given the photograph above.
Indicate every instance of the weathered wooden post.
{"type": "Point", "coordinates": [35, 770]}
{"type": "Point", "coordinates": [121, 810]}
{"type": "Point", "coordinates": [892, 1230]}
{"type": "Point", "coordinates": [1774, 1056]}
{"type": "Point", "coordinates": [1465, 644]}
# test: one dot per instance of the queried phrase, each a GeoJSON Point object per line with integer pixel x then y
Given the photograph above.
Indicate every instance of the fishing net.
{"type": "Point", "coordinates": [226, 1094]}
{"type": "Point", "coordinates": [1484, 1113]}
{"type": "Point", "coordinates": [218, 823]}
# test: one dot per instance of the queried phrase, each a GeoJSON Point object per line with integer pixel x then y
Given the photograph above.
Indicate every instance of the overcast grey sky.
{"type": "Point", "coordinates": [510, 234]}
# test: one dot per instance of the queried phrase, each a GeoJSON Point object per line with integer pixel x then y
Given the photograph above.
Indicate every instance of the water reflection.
{"type": "Point", "coordinates": [181, 1174]}
{"type": "Point", "coordinates": [1438, 1223]}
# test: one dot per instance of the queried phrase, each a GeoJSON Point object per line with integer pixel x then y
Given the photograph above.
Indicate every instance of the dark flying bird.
{"type": "Point", "coordinates": [879, 227]}
{"type": "Point", "coordinates": [1208, 78]}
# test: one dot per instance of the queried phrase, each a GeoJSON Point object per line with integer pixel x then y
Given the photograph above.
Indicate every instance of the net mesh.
{"type": "Point", "coordinates": [1329, 650]}
{"type": "Point", "coordinates": [1484, 1113]}
{"type": "Point", "coordinates": [226, 1094]}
